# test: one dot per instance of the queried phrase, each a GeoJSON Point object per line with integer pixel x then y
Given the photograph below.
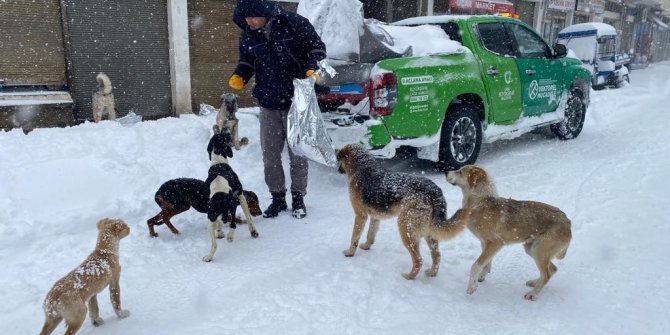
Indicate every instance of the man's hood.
{"type": "Point", "coordinates": [254, 8]}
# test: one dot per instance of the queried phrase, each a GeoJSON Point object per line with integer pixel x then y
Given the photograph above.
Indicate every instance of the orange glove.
{"type": "Point", "coordinates": [313, 73]}
{"type": "Point", "coordinates": [236, 82]}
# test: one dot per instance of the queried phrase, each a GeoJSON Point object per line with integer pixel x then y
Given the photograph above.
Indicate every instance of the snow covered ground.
{"type": "Point", "coordinates": [611, 181]}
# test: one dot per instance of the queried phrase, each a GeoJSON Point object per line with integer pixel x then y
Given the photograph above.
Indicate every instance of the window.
{"type": "Point", "coordinates": [530, 45]}
{"type": "Point", "coordinates": [494, 38]}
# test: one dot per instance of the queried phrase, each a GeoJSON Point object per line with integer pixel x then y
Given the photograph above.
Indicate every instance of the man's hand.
{"type": "Point", "coordinates": [312, 73]}
{"type": "Point", "coordinates": [236, 82]}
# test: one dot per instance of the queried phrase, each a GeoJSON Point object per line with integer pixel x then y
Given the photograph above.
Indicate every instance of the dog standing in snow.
{"type": "Point", "coordinates": [225, 192]}
{"type": "Point", "coordinates": [103, 99]}
{"type": "Point", "coordinates": [227, 121]}
{"type": "Point", "coordinates": [69, 296]}
{"type": "Point", "coordinates": [544, 230]}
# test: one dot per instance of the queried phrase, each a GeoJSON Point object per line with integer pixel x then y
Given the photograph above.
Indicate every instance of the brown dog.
{"type": "Point", "coordinates": [378, 193]}
{"type": "Point", "coordinates": [544, 230]}
{"type": "Point", "coordinates": [70, 295]}
{"type": "Point", "coordinates": [227, 121]}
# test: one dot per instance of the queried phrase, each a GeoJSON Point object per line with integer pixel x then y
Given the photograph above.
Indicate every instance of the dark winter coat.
{"type": "Point", "coordinates": [284, 49]}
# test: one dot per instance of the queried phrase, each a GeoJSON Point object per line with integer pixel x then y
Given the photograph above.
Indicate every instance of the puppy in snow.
{"type": "Point", "coordinates": [68, 298]}
{"type": "Point", "coordinates": [227, 121]}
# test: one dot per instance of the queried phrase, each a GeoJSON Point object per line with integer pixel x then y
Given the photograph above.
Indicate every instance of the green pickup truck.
{"type": "Point", "coordinates": [503, 82]}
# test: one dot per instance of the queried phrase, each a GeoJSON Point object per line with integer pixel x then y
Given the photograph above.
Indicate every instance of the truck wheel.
{"type": "Point", "coordinates": [461, 138]}
{"type": "Point", "coordinates": [575, 112]}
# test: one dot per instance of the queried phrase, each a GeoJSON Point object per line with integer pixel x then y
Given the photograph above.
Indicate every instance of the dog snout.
{"type": "Point", "coordinates": [451, 177]}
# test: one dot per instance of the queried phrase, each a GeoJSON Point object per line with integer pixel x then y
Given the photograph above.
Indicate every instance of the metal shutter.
{"type": "Point", "coordinates": [213, 42]}
{"type": "Point", "coordinates": [128, 40]}
{"type": "Point", "coordinates": [31, 43]}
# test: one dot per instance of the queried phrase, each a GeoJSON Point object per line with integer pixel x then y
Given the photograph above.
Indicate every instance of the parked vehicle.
{"type": "Point", "coordinates": [503, 81]}
{"type": "Point", "coordinates": [594, 43]}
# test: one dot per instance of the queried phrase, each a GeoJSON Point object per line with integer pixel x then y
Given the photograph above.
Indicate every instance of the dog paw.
{"type": "Point", "coordinates": [349, 252]}
{"type": "Point", "coordinates": [176, 232]}
{"type": "Point", "coordinates": [122, 314]}
{"type": "Point", "coordinates": [244, 141]}
{"type": "Point", "coordinates": [153, 234]}
{"type": "Point", "coordinates": [254, 234]}
{"type": "Point", "coordinates": [365, 246]}
{"type": "Point", "coordinates": [481, 278]}
{"type": "Point", "coordinates": [98, 321]}
{"type": "Point", "coordinates": [207, 258]}
{"type": "Point", "coordinates": [230, 239]}
{"type": "Point", "coordinates": [409, 276]}
{"type": "Point", "coordinates": [220, 236]}
{"type": "Point", "coordinates": [471, 288]}
{"type": "Point", "coordinates": [431, 273]}
{"type": "Point", "coordinates": [532, 295]}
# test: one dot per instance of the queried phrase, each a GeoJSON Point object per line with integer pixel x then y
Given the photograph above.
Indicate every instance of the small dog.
{"type": "Point", "coordinates": [176, 196]}
{"type": "Point", "coordinates": [69, 296]}
{"type": "Point", "coordinates": [227, 121]}
{"type": "Point", "coordinates": [417, 202]}
{"type": "Point", "coordinates": [544, 230]}
{"type": "Point", "coordinates": [225, 192]}
{"type": "Point", "coordinates": [103, 99]}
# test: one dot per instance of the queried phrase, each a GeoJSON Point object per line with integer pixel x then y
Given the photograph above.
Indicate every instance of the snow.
{"type": "Point", "coordinates": [611, 181]}
{"type": "Point", "coordinates": [338, 22]}
{"type": "Point", "coordinates": [602, 29]}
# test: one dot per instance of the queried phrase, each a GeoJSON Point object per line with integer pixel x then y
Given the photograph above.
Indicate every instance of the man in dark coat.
{"type": "Point", "coordinates": [276, 46]}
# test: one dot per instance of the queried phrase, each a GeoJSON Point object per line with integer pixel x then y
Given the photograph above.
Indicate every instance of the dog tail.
{"type": "Point", "coordinates": [445, 228]}
{"type": "Point", "coordinates": [104, 81]}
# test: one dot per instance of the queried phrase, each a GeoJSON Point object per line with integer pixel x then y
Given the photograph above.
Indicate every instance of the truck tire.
{"type": "Point", "coordinates": [575, 112]}
{"type": "Point", "coordinates": [461, 138]}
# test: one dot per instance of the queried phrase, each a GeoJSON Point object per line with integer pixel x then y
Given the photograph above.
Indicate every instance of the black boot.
{"type": "Point", "coordinates": [278, 204]}
{"type": "Point", "coordinates": [298, 204]}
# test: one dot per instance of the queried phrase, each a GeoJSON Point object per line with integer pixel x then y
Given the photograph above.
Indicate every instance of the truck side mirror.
{"type": "Point", "coordinates": [560, 50]}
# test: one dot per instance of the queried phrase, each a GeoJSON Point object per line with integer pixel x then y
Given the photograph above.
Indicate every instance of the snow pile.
{"type": "Point", "coordinates": [338, 22]}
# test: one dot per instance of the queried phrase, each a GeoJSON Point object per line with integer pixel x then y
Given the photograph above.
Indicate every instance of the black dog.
{"type": "Point", "coordinates": [176, 196]}
{"type": "Point", "coordinates": [225, 192]}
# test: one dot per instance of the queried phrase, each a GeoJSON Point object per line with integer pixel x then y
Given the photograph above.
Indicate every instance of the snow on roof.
{"type": "Point", "coordinates": [430, 20]}
{"type": "Point", "coordinates": [601, 29]}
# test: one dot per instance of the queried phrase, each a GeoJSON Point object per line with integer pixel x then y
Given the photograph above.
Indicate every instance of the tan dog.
{"type": "Point", "coordinates": [544, 230]}
{"type": "Point", "coordinates": [227, 121]}
{"type": "Point", "coordinates": [378, 193]}
{"type": "Point", "coordinates": [70, 295]}
{"type": "Point", "coordinates": [103, 99]}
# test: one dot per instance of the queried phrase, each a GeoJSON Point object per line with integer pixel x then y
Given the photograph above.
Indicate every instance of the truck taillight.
{"type": "Point", "coordinates": [383, 94]}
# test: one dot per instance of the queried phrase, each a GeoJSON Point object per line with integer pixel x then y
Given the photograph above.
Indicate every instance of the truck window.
{"type": "Point", "coordinates": [494, 38]}
{"type": "Point", "coordinates": [529, 44]}
{"type": "Point", "coordinates": [452, 31]}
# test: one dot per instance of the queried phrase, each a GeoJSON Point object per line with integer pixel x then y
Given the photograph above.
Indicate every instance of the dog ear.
{"type": "Point", "coordinates": [102, 223]}
{"type": "Point", "coordinates": [476, 177]}
{"type": "Point", "coordinates": [342, 153]}
{"type": "Point", "coordinates": [210, 147]}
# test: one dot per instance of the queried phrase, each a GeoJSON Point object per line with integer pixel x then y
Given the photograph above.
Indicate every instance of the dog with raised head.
{"type": "Point", "coordinates": [227, 121]}
{"type": "Point", "coordinates": [544, 230]}
{"type": "Point", "coordinates": [178, 195]}
{"type": "Point", "coordinates": [103, 99]}
{"type": "Point", "coordinates": [68, 298]}
{"type": "Point", "coordinates": [225, 193]}
{"type": "Point", "coordinates": [417, 202]}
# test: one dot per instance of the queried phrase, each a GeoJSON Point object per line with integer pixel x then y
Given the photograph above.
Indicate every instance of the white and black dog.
{"type": "Point", "coordinates": [227, 121]}
{"type": "Point", "coordinates": [225, 192]}
{"type": "Point", "coordinates": [103, 99]}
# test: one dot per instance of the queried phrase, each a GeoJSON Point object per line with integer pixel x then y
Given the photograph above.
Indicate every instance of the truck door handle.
{"type": "Point", "coordinates": [530, 72]}
{"type": "Point", "coordinates": [492, 71]}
